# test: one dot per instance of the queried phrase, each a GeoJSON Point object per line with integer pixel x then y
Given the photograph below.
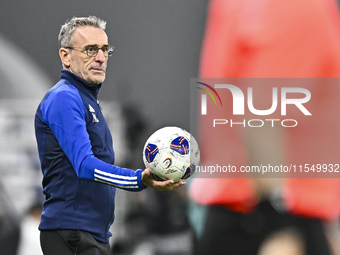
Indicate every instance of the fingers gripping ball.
{"type": "Point", "coordinates": [171, 153]}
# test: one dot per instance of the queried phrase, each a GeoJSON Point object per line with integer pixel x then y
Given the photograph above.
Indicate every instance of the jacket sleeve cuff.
{"type": "Point", "coordinates": [139, 179]}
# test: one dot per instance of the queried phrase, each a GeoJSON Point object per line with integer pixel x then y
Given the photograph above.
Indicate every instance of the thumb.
{"type": "Point", "coordinates": [147, 171]}
{"type": "Point", "coordinates": [146, 178]}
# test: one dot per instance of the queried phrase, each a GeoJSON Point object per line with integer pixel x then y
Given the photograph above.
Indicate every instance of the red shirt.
{"type": "Point", "coordinates": [275, 39]}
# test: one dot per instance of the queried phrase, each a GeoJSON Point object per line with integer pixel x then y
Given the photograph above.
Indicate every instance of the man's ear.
{"type": "Point", "coordinates": [65, 56]}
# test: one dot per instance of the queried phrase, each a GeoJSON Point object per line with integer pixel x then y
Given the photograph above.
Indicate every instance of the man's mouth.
{"type": "Point", "coordinates": [97, 69]}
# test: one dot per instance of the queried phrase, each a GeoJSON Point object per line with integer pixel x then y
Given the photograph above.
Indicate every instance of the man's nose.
{"type": "Point", "coordinates": [100, 56]}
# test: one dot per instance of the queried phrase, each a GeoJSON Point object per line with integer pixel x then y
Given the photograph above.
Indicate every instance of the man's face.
{"type": "Point", "coordinates": [90, 69]}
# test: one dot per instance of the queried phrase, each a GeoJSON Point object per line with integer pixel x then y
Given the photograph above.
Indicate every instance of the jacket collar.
{"type": "Point", "coordinates": [80, 84]}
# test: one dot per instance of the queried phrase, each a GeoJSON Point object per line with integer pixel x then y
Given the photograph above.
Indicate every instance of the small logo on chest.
{"type": "Point", "coordinates": [95, 119]}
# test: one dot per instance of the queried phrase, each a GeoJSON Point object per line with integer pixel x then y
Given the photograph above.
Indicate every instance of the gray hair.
{"type": "Point", "coordinates": [67, 30]}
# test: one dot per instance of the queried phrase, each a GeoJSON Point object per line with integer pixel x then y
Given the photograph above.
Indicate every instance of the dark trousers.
{"type": "Point", "coordinates": [227, 232]}
{"type": "Point", "coordinates": [71, 242]}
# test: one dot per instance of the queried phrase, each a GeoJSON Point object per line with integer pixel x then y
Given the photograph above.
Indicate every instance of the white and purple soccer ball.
{"type": "Point", "coordinates": [171, 153]}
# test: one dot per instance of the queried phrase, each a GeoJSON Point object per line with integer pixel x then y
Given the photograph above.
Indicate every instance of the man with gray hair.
{"type": "Point", "coordinates": [75, 148]}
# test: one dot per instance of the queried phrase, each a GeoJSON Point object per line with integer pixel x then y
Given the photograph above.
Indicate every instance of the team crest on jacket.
{"type": "Point", "coordinates": [95, 119]}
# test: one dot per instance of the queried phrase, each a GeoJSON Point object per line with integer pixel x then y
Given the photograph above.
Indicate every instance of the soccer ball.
{"type": "Point", "coordinates": [171, 153]}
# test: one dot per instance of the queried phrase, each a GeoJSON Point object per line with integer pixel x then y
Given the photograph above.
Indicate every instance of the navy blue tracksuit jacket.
{"type": "Point", "coordinates": [77, 157]}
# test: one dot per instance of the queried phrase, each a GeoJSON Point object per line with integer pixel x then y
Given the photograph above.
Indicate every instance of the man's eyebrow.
{"type": "Point", "coordinates": [96, 45]}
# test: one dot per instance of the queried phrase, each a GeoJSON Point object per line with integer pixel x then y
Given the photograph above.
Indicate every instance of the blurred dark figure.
{"type": "Point", "coordinates": [9, 226]}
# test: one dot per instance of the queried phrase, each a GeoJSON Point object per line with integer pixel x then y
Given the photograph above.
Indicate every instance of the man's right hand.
{"type": "Point", "coordinates": [149, 181]}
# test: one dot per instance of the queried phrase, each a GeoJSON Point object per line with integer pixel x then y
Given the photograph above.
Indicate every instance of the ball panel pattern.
{"type": "Point", "coordinates": [151, 151]}
{"type": "Point", "coordinates": [180, 144]}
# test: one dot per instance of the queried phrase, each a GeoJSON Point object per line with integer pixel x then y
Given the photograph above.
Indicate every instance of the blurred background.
{"type": "Point", "coordinates": [157, 48]}
{"type": "Point", "coordinates": [147, 87]}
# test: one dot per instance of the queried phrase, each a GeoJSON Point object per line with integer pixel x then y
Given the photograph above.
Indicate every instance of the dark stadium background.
{"type": "Point", "coordinates": [157, 48]}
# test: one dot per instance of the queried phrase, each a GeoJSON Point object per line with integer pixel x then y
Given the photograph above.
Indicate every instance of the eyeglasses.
{"type": "Point", "coordinates": [92, 50]}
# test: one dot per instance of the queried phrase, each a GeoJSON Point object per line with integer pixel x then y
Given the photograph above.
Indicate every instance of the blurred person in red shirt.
{"type": "Point", "coordinates": [271, 39]}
